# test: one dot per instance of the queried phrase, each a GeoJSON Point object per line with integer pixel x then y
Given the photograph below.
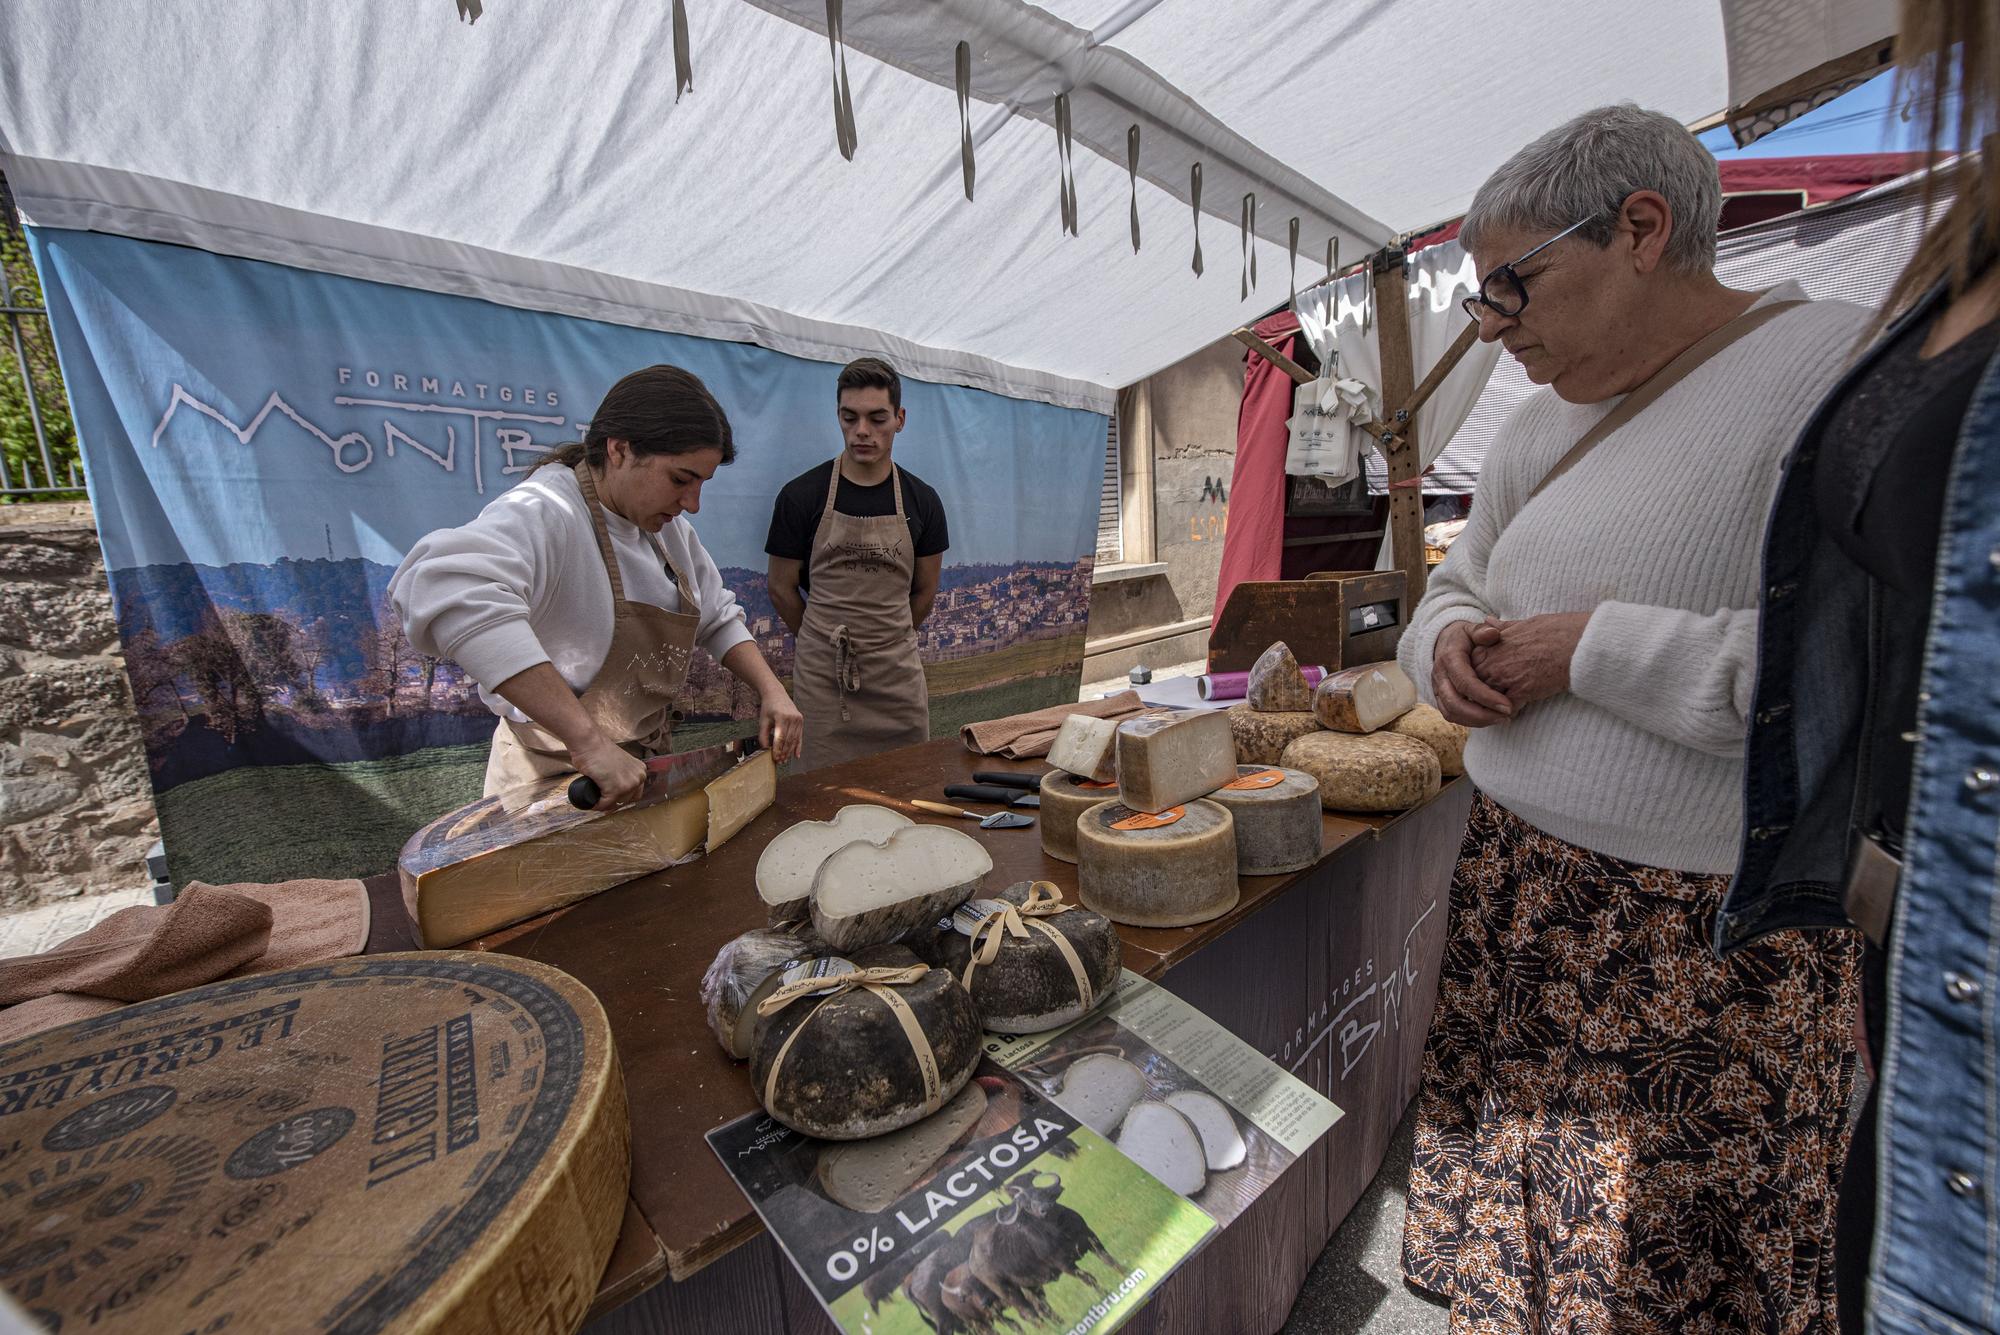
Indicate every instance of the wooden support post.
{"type": "Point", "coordinates": [1399, 375]}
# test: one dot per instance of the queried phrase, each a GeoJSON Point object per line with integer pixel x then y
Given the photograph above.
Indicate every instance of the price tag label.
{"type": "Point", "coordinates": [1143, 820]}
{"type": "Point", "coordinates": [966, 918]}
{"type": "Point", "coordinates": [827, 966]}
{"type": "Point", "coordinates": [1097, 785]}
{"type": "Point", "coordinates": [1250, 783]}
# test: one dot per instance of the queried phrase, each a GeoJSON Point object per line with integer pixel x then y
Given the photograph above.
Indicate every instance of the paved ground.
{"type": "Point", "coordinates": [1356, 1287]}
{"type": "Point", "coordinates": [34, 930]}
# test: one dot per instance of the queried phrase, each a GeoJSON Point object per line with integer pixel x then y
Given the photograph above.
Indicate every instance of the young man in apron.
{"type": "Point", "coordinates": [855, 546]}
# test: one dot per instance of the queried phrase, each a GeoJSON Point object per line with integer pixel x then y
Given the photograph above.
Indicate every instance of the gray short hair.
{"type": "Point", "coordinates": [1589, 166]}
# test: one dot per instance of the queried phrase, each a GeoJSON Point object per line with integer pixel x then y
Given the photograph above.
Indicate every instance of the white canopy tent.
{"type": "Point", "coordinates": [540, 156]}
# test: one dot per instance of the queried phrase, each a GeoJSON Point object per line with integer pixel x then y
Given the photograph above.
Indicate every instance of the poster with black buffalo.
{"type": "Point", "coordinates": [1000, 1211]}
{"type": "Point", "coordinates": [1185, 1099]}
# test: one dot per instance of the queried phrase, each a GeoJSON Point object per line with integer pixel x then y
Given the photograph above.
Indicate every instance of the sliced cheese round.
{"type": "Point", "coordinates": [1374, 772]}
{"type": "Point", "coordinates": [1098, 1089]}
{"type": "Point", "coordinates": [1277, 816]}
{"type": "Point", "coordinates": [1261, 738]}
{"type": "Point", "coordinates": [1168, 869]}
{"type": "Point", "coordinates": [1160, 1139]}
{"type": "Point", "coordinates": [869, 894]}
{"type": "Point", "coordinates": [1034, 982]}
{"type": "Point", "coordinates": [870, 1175]}
{"type": "Point", "coordinates": [1065, 798]}
{"type": "Point", "coordinates": [1437, 732]}
{"type": "Point", "coordinates": [786, 868]}
{"type": "Point", "coordinates": [843, 1067]}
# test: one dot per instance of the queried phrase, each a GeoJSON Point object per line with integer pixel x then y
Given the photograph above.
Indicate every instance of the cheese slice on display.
{"type": "Point", "coordinates": [1086, 747]}
{"type": "Point", "coordinates": [1364, 698]}
{"type": "Point", "coordinates": [1168, 759]}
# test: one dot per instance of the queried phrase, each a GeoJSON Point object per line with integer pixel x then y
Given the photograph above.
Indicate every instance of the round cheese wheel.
{"type": "Point", "coordinates": [853, 1071]}
{"type": "Point", "coordinates": [1437, 732]}
{"type": "Point", "coordinates": [1277, 823]}
{"type": "Point", "coordinates": [1031, 985]}
{"type": "Point", "coordinates": [1261, 738]}
{"type": "Point", "coordinates": [432, 1142]}
{"type": "Point", "coordinates": [1064, 799]}
{"type": "Point", "coordinates": [1367, 771]}
{"type": "Point", "coordinates": [1133, 869]}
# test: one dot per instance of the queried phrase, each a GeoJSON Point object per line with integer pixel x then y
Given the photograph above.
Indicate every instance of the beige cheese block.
{"type": "Point", "coordinates": [739, 797]}
{"type": "Point", "coordinates": [1379, 772]}
{"type": "Point", "coordinates": [1064, 800]}
{"type": "Point", "coordinates": [1261, 738]}
{"type": "Point", "coordinates": [1169, 759]}
{"type": "Point", "coordinates": [1168, 875]}
{"type": "Point", "coordinates": [1086, 746]}
{"type": "Point", "coordinates": [1276, 685]}
{"type": "Point", "coordinates": [1362, 699]}
{"type": "Point", "coordinates": [1439, 734]}
{"type": "Point", "coordinates": [1278, 825]}
{"type": "Point", "coordinates": [432, 1142]}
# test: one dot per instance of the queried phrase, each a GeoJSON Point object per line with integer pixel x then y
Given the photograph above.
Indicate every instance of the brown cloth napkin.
{"type": "Point", "coordinates": [1025, 736]}
{"type": "Point", "coordinates": [208, 932]}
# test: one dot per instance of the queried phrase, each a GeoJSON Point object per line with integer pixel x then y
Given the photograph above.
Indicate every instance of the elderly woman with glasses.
{"type": "Point", "coordinates": [1617, 1131]}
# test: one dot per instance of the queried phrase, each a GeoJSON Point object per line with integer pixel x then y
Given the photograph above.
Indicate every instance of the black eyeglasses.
{"type": "Point", "coordinates": [1502, 291]}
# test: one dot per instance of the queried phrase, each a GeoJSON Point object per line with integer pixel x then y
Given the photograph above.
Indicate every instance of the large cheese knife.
{"type": "Point", "coordinates": [669, 776]}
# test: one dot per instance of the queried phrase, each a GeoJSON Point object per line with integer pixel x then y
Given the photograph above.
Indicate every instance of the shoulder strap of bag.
{"type": "Point", "coordinates": [1663, 380]}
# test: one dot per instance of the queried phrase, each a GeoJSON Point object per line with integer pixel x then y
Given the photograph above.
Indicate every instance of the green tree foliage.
{"type": "Point", "coordinates": [17, 427]}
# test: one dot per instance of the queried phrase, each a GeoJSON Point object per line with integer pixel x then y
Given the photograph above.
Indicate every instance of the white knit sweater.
{"type": "Point", "coordinates": [1658, 533]}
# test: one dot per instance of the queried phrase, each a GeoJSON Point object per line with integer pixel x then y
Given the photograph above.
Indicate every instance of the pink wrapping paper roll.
{"type": "Point", "coordinates": [1235, 685]}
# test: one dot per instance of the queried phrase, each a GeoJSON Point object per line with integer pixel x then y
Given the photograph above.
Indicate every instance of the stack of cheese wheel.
{"type": "Point", "coordinates": [1157, 869]}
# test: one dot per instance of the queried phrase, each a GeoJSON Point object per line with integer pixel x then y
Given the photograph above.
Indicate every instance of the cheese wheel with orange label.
{"type": "Point", "coordinates": [1065, 798]}
{"type": "Point", "coordinates": [426, 1143]}
{"type": "Point", "coordinates": [1165, 869]}
{"type": "Point", "coordinates": [1278, 819]}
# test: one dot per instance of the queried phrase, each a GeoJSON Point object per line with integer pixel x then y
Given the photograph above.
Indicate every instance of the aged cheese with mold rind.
{"type": "Point", "coordinates": [1276, 685]}
{"type": "Point", "coordinates": [1167, 759]}
{"type": "Point", "coordinates": [1064, 800]}
{"type": "Point", "coordinates": [1169, 876]}
{"type": "Point", "coordinates": [1261, 739]}
{"type": "Point", "coordinates": [1437, 732]}
{"type": "Point", "coordinates": [1362, 699]}
{"type": "Point", "coordinates": [1378, 772]}
{"type": "Point", "coordinates": [1030, 986]}
{"type": "Point", "coordinates": [745, 971]}
{"type": "Point", "coordinates": [865, 894]}
{"type": "Point", "coordinates": [1278, 827]}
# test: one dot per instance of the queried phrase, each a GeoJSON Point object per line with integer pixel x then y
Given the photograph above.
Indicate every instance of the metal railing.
{"type": "Point", "coordinates": [18, 477]}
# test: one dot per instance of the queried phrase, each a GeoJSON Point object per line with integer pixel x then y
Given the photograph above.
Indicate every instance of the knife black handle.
{"type": "Point", "coordinates": [584, 792]}
{"type": "Point", "coordinates": [980, 792]}
{"type": "Point", "coordinates": [1027, 783]}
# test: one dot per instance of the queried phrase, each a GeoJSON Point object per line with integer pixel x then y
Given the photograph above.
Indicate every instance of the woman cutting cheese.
{"type": "Point", "coordinates": [576, 599]}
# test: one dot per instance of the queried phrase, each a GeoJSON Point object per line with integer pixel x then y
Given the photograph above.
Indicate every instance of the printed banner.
{"type": "Point", "coordinates": [264, 444]}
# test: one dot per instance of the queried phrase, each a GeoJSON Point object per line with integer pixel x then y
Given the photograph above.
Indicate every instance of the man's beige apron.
{"type": "Point", "coordinates": [631, 699]}
{"type": "Point", "coordinates": [857, 677]}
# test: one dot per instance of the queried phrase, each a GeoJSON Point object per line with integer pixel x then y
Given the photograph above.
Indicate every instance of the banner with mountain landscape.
{"type": "Point", "coordinates": [264, 443]}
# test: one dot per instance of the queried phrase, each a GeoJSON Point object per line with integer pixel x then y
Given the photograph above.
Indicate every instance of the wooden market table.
{"type": "Point", "coordinates": [1331, 972]}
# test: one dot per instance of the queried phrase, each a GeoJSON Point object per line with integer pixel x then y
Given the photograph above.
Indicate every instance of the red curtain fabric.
{"type": "Point", "coordinates": [1253, 547]}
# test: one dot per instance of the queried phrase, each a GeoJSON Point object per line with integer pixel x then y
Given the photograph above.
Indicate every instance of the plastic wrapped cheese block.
{"type": "Point", "coordinates": [1277, 685]}
{"type": "Point", "coordinates": [1165, 869]}
{"type": "Point", "coordinates": [1165, 760]}
{"type": "Point", "coordinates": [890, 1049]}
{"type": "Point", "coordinates": [1261, 738]}
{"type": "Point", "coordinates": [1277, 816]}
{"type": "Point", "coordinates": [867, 894]}
{"type": "Point", "coordinates": [1086, 747]}
{"type": "Point", "coordinates": [1441, 735]}
{"type": "Point", "coordinates": [1364, 698]}
{"type": "Point", "coordinates": [1062, 967]}
{"type": "Point", "coordinates": [750, 968]}
{"type": "Point", "coordinates": [1380, 772]}
{"type": "Point", "coordinates": [1064, 800]}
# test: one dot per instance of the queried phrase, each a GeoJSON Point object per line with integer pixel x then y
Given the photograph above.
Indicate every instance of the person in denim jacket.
{"type": "Point", "coordinates": [1872, 782]}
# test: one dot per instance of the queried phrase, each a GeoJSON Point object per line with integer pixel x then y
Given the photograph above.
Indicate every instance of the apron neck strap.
{"type": "Point", "coordinates": [588, 484]}
{"type": "Point", "coordinates": [833, 489]}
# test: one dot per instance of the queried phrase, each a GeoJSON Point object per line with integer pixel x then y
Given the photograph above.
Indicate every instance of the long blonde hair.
{"type": "Point", "coordinates": [1947, 47]}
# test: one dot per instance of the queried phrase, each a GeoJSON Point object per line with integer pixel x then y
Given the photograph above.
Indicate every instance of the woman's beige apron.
{"type": "Point", "coordinates": [857, 677]}
{"type": "Point", "coordinates": [631, 699]}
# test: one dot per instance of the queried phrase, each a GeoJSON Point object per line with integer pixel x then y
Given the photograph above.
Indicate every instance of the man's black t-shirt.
{"type": "Point", "coordinates": [796, 513]}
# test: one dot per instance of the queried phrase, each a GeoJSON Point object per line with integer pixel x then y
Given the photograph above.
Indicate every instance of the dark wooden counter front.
{"type": "Point", "coordinates": [1336, 984]}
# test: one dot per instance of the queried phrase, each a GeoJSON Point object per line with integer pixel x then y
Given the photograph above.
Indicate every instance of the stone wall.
{"type": "Point", "coordinates": [76, 810]}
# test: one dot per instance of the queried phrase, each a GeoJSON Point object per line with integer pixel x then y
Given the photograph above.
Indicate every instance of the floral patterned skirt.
{"type": "Point", "coordinates": [1618, 1133]}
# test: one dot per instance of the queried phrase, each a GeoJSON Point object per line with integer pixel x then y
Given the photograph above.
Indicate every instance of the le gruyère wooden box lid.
{"type": "Point", "coordinates": [429, 1142]}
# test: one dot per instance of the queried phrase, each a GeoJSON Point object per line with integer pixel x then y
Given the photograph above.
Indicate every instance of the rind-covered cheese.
{"type": "Point", "coordinates": [786, 868]}
{"type": "Point", "coordinates": [1278, 824]}
{"type": "Point", "coordinates": [1364, 698]}
{"type": "Point", "coordinates": [1379, 772]}
{"type": "Point", "coordinates": [866, 894]}
{"type": "Point", "coordinates": [1064, 800]}
{"type": "Point", "coordinates": [1029, 985]}
{"type": "Point", "coordinates": [745, 971]}
{"type": "Point", "coordinates": [854, 1073]}
{"type": "Point", "coordinates": [1439, 734]}
{"type": "Point", "coordinates": [1086, 746]}
{"type": "Point", "coordinates": [1276, 685]}
{"type": "Point", "coordinates": [1167, 759]}
{"type": "Point", "coordinates": [1261, 738]}
{"type": "Point", "coordinates": [1135, 871]}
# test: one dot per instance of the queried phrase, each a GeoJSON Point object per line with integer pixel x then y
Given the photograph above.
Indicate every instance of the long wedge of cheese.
{"type": "Point", "coordinates": [1168, 759]}
{"type": "Point", "coordinates": [1364, 698]}
{"type": "Point", "coordinates": [1086, 747]}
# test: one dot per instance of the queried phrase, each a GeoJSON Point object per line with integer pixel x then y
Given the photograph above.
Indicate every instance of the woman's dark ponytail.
{"type": "Point", "coordinates": [660, 410]}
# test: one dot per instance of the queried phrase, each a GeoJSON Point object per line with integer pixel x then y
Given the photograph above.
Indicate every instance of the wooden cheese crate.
{"type": "Point", "coordinates": [1335, 618]}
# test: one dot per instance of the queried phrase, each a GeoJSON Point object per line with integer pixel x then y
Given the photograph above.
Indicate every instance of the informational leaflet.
{"type": "Point", "coordinates": [1193, 1104]}
{"type": "Point", "coordinates": [1000, 1211]}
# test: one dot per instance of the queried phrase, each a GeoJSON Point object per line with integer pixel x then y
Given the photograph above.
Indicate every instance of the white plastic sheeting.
{"type": "Point", "coordinates": [539, 156]}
